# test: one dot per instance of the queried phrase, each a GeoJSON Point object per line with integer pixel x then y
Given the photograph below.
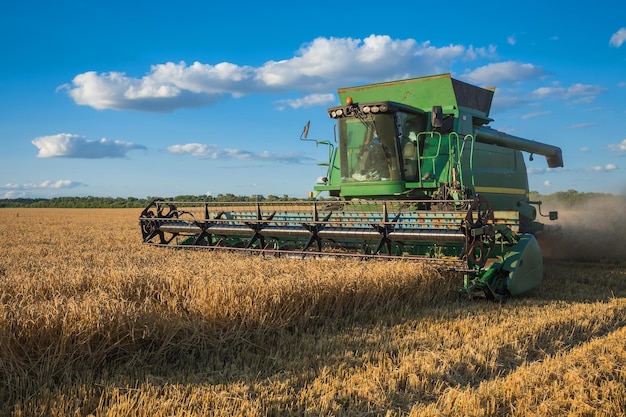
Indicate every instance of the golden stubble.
{"type": "Point", "coordinates": [95, 323]}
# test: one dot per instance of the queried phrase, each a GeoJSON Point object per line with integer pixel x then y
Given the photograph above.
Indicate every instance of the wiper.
{"type": "Point", "coordinates": [362, 118]}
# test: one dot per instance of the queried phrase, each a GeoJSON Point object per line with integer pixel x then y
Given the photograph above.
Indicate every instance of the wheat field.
{"type": "Point", "coordinates": [93, 323]}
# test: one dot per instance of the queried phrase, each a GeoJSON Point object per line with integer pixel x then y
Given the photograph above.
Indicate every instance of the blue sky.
{"type": "Point", "coordinates": [161, 98]}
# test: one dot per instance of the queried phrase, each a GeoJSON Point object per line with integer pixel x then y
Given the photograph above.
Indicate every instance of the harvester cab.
{"type": "Point", "coordinates": [414, 173]}
{"type": "Point", "coordinates": [432, 142]}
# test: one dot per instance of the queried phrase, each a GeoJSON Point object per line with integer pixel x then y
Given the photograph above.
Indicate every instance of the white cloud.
{"type": "Point", "coordinates": [534, 115]}
{"type": "Point", "coordinates": [511, 40]}
{"type": "Point", "coordinates": [504, 72]}
{"type": "Point", "coordinates": [233, 153]}
{"type": "Point", "coordinates": [308, 101]}
{"type": "Point", "coordinates": [66, 145]}
{"type": "Point", "coordinates": [582, 125]}
{"type": "Point", "coordinates": [315, 68]}
{"type": "Point", "coordinates": [13, 194]}
{"type": "Point", "coordinates": [618, 38]}
{"type": "Point", "coordinates": [195, 149]}
{"type": "Point", "coordinates": [535, 171]}
{"type": "Point", "coordinates": [473, 53]}
{"type": "Point", "coordinates": [578, 92]}
{"type": "Point", "coordinates": [211, 151]}
{"type": "Point", "coordinates": [600, 168]}
{"type": "Point", "coordinates": [584, 150]}
{"type": "Point", "coordinates": [45, 185]}
{"type": "Point", "coordinates": [547, 183]}
{"type": "Point", "coordinates": [620, 147]}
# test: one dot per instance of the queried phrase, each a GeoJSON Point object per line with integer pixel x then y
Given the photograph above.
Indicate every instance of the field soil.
{"type": "Point", "coordinates": [93, 323]}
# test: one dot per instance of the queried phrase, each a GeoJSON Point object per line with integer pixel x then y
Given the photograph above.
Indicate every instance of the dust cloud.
{"type": "Point", "coordinates": [593, 230]}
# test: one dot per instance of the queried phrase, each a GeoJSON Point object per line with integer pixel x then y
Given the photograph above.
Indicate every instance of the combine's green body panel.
{"type": "Point", "coordinates": [499, 174]}
{"type": "Point", "coordinates": [524, 264]}
{"type": "Point", "coordinates": [374, 189]}
{"type": "Point", "coordinates": [424, 92]}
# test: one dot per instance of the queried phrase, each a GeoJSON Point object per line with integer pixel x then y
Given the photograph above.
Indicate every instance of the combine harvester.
{"type": "Point", "coordinates": [414, 173]}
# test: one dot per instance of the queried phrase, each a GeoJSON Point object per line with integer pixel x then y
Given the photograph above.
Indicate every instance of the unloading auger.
{"type": "Point", "coordinates": [413, 174]}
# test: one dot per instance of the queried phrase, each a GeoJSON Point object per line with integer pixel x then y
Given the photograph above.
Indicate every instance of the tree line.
{"type": "Point", "coordinates": [570, 197]}
{"type": "Point", "coordinates": [128, 202]}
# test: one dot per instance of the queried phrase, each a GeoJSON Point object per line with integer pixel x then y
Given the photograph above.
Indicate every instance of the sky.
{"type": "Point", "coordinates": [153, 98]}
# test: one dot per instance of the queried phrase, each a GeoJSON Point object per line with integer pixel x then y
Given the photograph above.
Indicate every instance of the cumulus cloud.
{"type": "Point", "coordinates": [45, 185]}
{"type": "Point", "coordinates": [580, 93]}
{"type": "Point", "coordinates": [66, 145]}
{"type": "Point", "coordinates": [13, 194]}
{"type": "Point", "coordinates": [307, 101]}
{"type": "Point", "coordinates": [619, 147]}
{"type": "Point", "coordinates": [535, 114]}
{"type": "Point", "coordinates": [535, 171]}
{"type": "Point", "coordinates": [12, 190]}
{"type": "Point", "coordinates": [473, 53]}
{"type": "Point", "coordinates": [618, 38]}
{"type": "Point", "coordinates": [602, 168]}
{"type": "Point", "coordinates": [504, 72]}
{"type": "Point", "coordinates": [167, 86]}
{"type": "Point", "coordinates": [195, 149]}
{"type": "Point", "coordinates": [315, 68]}
{"type": "Point", "coordinates": [582, 125]}
{"type": "Point", "coordinates": [212, 151]}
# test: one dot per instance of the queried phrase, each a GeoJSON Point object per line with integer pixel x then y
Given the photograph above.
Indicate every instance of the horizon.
{"type": "Point", "coordinates": [266, 196]}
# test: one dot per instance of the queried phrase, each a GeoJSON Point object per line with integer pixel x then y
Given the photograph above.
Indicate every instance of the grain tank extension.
{"type": "Point", "coordinates": [414, 172]}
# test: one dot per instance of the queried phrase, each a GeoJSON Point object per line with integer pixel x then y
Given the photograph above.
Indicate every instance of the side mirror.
{"type": "Point", "coordinates": [436, 117]}
{"type": "Point", "coordinates": [305, 131]}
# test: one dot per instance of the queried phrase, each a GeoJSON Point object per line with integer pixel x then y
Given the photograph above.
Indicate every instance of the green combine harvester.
{"type": "Point", "coordinates": [414, 173]}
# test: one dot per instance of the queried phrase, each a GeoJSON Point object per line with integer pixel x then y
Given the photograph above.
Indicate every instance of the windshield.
{"type": "Point", "coordinates": [370, 147]}
{"type": "Point", "coordinates": [369, 150]}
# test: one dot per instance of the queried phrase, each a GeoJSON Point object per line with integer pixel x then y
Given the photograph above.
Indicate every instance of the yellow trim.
{"type": "Point", "coordinates": [501, 190]}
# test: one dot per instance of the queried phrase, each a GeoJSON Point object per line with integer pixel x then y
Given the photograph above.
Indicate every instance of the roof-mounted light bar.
{"type": "Point", "coordinates": [350, 109]}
